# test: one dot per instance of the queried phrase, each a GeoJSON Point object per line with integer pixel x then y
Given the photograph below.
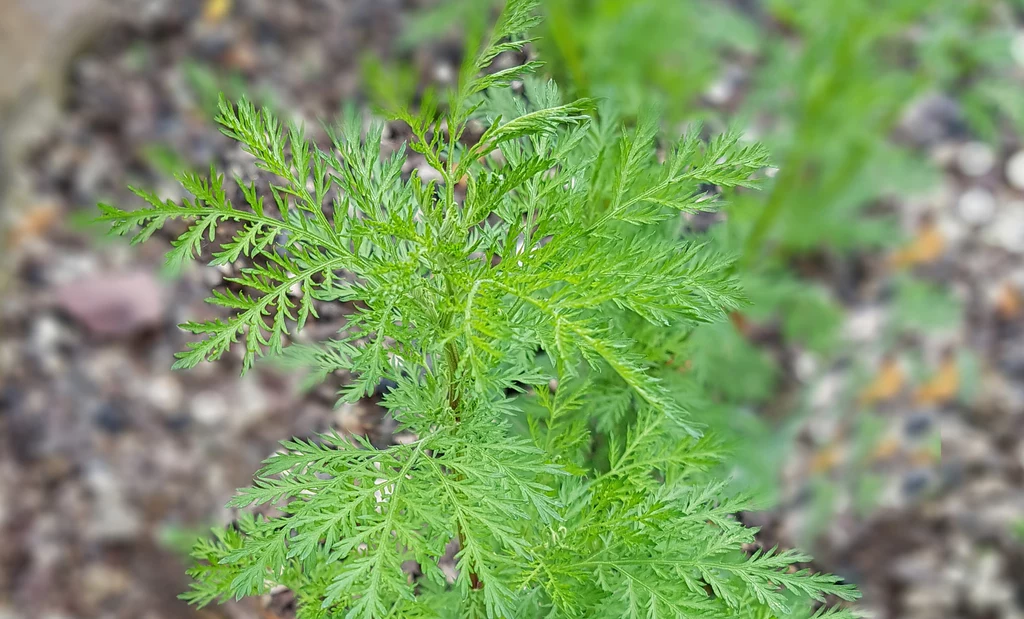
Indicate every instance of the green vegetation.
{"type": "Point", "coordinates": [532, 306]}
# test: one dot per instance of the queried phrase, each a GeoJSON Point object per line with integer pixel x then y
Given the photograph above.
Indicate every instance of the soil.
{"type": "Point", "coordinates": [109, 461]}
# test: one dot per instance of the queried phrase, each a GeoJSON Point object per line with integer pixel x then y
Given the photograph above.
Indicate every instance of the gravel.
{"type": "Point", "coordinates": [105, 451]}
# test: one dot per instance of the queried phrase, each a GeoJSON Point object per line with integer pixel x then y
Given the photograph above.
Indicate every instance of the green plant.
{"type": "Point", "coordinates": [966, 51]}
{"type": "Point", "coordinates": [833, 99]}
{"type": "Point", "coordinates": [630, 51]}
{"type": "Point", "coordinates": [636, 52]}
{"type": "Point", "coordinates": [565, 240]}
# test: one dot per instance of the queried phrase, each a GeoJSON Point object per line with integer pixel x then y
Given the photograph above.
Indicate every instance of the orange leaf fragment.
{"type": "Point", "coordinates": [826, 459]}
{"type": "Point", "coordinates": [942, 387]}
{"type": "Point", "coordinates": [1008, 302]}
{"type": "Point", "coordinates": [926, 247]}
{"type": "Point", "coordinates": [923, 457]}
{"type": "Point", "coordinates": [886, 448]}
{"type": "Point", "coordinates": [216, 10]}
{"type": "Point", "coordinates": [887, 383]}
{"type": "Point", "coordinates": [34, 223]}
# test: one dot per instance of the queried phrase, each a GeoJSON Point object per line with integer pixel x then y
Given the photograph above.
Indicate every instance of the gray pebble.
{"type": "Point", "coordinates": [1015, 170]}
{"type": "Point", "coordinates": [976, 159]}
{"type": "Point", "coordinates": [976, 206]}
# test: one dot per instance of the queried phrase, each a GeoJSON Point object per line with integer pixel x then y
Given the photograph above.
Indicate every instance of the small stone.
{"type": "Point", "coordinates": [1001, 514]}
{"type": "Point", "coordinates": [724, 89]}
{"type": "Point", "coordinates": [97, 169]}
{"type": "Point", "coordinates": [917, 424]}
{"type": "Point", "coordinates": [943, 154]}
{"type": "Point", "coordinates": [976, 159]}
{"type": "Point", "coordinates": [964, 444]}
{"type": "Point", "coordinates": [48, 334]}
{"type": "Point", "coordinates": [976, 206]}
{"type": "Point", "coordinates": [385, 386]}
{"type": "Point", "coordinates": [1011, 360]}
{"type": "Point", "coordinates": [177, 422]}
{"type": "Point", "coordinates": [826, 391]}
{"type": "Point", "coordinates": [280, 602]}
{"type": "Point", "coordinates": [915, 483]}
{"type": "Point", "coordinates": [1015, 170]}
{"type": "Point", "coordinates": [100, 582]}
{"type": "Point", "coordinates": [113, 519]}
{"type": "Point", "coordinates": [10, 398]}
{"type": "Point", "coordinates": [25, 433]}
{"type": "Point", "coordinates": [163, 393]}
{"type": "Point", "coordinates": [252, 403]}
{"type": "Point", "coordinates": [918, 566]}
{"type": "Point", "coordinates": [989, 589]}
{"type": "Point", "coordinates": [1007, 231]}
{"type": "Point", "coordinates": [1017, 48]}
{"type": "Point", "coordinates": [55, 468]}
{"type": "Point", "coordinates": [209, 408]}
{"type": "Point", "coordinates": [428, 174]}
{"type": "Point", "coordinates": [805, 366]}
{"type": "Point", "coordinates": [349, 417]}
{"type": "Point", "coordinates": [951, 230]}
{"type": "Point", "coordinates": [111, 417]}
{"type": "Point", "coordinates": [863, 325]}
{"type": "Point", "coordinates": [932, 118]}
{"type": "Point", "coordinates": [719, 92]}
{"type": "Point", "coordinates": [956, 574]}
{"type": "Point", "coordinates": [113, 304]}
{"type": "Point", "coordinates": [212, 278]}
{"type": "Point", "coordinates": [444, 73]}
{"type": "Point", "coordinates": [930, 600]}
{"type": "Point", "coordinates": [405, 438]}
{"type": "Point", "coordinates": [68, 268]}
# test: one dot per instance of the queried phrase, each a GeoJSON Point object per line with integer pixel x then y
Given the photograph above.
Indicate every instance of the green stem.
{"type": "Point", "coordinates": [765, 221]}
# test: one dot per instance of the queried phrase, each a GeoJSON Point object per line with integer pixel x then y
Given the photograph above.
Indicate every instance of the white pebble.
{"type": "Point", "coordinates": [976, 206]}
{"type": "Point", "coordinates": [806, 366]}
{"type": "Point", "coordinates": [164, 394]}
{"type": "Point", "coordinates": [719, 92]}
{"type": "Point", "coordinates": [976, 159]}
{"type": "Point", "coordinates": [251, 404]}
{"type": "Point", "coordinates": [1015, 170]}
{"type": "Point", "coordinates": [444, 73]}
{"type": "Point", "coordinates": [209, 408]}
{"type": "Point", "coordinates": [952, 229]}
{"type": "Point", "coordinates": [724, 88]}
{"type": "Point", "coordinates": [427, 173]}
{"type": "Point", "coordinates": [1008, 229]}
{"type": "Point", "coordinates": [47, 333]}
{"type": "Point", "coordinates": [826, 392]}
{"type": "Point", "coordinates": [1017, 48]}
{"type": "Point", "coordinates": [864, 324]}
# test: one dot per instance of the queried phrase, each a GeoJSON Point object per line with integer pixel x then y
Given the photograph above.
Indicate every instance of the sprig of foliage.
{"type": "Point", "coordinates": [557, 243]}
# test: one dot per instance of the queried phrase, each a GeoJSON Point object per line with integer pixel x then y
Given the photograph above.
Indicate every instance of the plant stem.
{"type": "Point", "coordinates": [451, 352]}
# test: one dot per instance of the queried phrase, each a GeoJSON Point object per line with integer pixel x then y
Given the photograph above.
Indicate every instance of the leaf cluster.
{"type": "Point", "coordinates": [530, 255]}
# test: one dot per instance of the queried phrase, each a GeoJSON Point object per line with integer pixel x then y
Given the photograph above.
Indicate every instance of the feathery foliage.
{"type": "Point", "coordinates": [546, 248]}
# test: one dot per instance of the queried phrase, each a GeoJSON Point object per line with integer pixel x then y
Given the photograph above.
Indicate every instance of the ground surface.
{"type": "Point", "coordinates": [107, 458]}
